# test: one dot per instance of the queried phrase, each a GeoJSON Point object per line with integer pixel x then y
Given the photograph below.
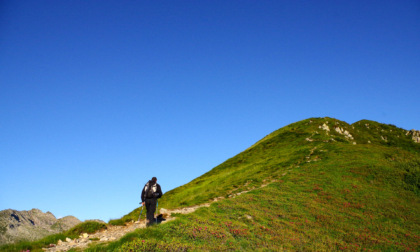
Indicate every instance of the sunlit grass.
{"type": "Point", "coordinates": [325, 192]}
{"type": "Point", "coordinates": [352, 198]}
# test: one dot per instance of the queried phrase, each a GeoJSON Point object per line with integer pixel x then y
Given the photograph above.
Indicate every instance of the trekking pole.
{"type": "Point", "coordinates": [141, 211]}
{"type": "Point", "coordinates": [157, 210]}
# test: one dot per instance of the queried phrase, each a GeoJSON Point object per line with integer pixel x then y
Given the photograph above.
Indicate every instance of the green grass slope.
{"type": "Point", "coordinates": [295, 145]}
{"type": "Point", "coordinates": [337, 187]}
{"type": "Point", "coordinates": [331, 186]}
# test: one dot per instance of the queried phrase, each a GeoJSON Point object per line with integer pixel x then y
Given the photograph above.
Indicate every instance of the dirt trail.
{"type": "Point", "coordinates": [113, 233]}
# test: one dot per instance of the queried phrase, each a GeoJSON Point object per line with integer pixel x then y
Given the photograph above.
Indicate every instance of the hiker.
{"type": "Point", "coordinates": [151, 192]}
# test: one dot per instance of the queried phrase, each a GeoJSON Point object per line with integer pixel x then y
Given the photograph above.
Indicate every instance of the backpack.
{"type": "Point", "coordinates": [150, 190]}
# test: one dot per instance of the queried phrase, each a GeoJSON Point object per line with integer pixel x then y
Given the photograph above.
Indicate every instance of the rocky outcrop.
{"type": "Point", "coordinates": [344, 132]}
{"type": "Point", "coordinates": [31, 225]}
{"type": "Point", "coordinates": [325, 127]}
{"type": "Point", "coordinates": [415, 135]}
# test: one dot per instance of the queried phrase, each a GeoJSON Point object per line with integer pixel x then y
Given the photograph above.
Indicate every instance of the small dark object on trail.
{"type": "Point", "coordinates": [159, 219]}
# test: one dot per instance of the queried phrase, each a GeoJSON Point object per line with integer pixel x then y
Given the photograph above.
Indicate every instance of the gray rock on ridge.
{"type": "Point", "coordinates": [31, 225]}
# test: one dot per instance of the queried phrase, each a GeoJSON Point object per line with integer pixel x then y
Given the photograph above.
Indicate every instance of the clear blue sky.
{"type": "Point", "coordinates": [96, 97]}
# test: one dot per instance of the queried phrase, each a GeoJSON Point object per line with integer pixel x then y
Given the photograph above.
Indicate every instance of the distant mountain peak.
{"type": "Point", "coordinates": [31, 225]}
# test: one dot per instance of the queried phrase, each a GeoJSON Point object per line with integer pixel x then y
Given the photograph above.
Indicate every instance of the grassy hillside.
{"type": "Point", "coordinates": [336, 187]}
{"type": "Point", "coordinates": [295, 146]}
{"type": "Point", "coordinates": [331, 186]}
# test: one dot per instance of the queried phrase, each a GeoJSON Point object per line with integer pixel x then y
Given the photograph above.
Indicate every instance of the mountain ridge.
{"type": "Point", "coordinates": [31, 225]}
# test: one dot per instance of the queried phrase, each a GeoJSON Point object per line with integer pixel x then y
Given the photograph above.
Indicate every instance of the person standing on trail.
{"type": "Point", "coordinates": [151, 192]}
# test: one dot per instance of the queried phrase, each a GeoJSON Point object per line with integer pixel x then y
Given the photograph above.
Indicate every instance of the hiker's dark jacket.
{"type": "Point", "coordinates": [155, 193]}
